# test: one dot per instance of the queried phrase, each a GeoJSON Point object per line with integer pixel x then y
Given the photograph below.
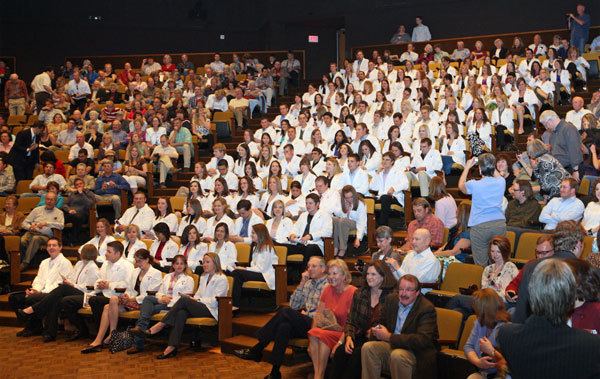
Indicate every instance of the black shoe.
{"type": "Point", "coordinates": [22, 316]}
{"type": "Point", "coordinates": [75, 336]}
{"type": "Point", "coordinates": [25, 333]}
{"type": "Point", "coordinates": [273, 376]}
{"type": "Point", "coordinates": [48, 338]}
{"type": "Point", "coordinates": [247, 354]}
{"type": "Point", "coordinates": [92, 349]}
{"type": "Point", "coordinates": [172, 354]}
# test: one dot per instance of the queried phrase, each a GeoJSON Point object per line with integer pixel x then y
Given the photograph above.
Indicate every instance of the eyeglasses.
{"type": "Point", "coordinates": [407, 289]}
{"type": "Point", "coordinates": [543, 252]}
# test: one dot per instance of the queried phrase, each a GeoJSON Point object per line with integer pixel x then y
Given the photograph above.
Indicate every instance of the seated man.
{"type": "Point", "coordinates": [545, 346]}
{"type": "Point", "coordinates": [181, 140]}
{"type": "Point", "coordinates": [523, 210]}
{"type": "Point", "coordinates": [163, 155]}
{"type": "Point", "coordinates": [83, 157]}
{"type": "Point", "coordinates": [404, 342]}
{"type": "Point", "coordinates": [50, 274]}
{"type": "Point", "coordinates": [68, 137]}
{"type": "Point", "coordinates": [292, 322]}
{"type": "Point", "coordinates": [243, 224]}
{"type": "Point", "coordinates": [424, 166]}
{"type": "Point", "coordinates": [239, 106]}
{"type": "Point", "coordinates": [109, 185]}
{"type": "Point", "coordinates": [80, 145]}
{"type": "Point", "coordinates": [330, 198]}
{"type": "Point", "coordinates": [219, 152]}
{"type": "Point", "coordinates": [81, 172]}
{"type": "Point", "coordinates": [38, 225]}
{"type": "Point", "coordinates": [230, 177]}
{"type": "Point", "coordinates": [424, 219]}
{"type": "Point", "coordinates": [39, 183]}
{"type": "Point", "coordinates": [139, 214]}
{"type": "Point", "coordinates": [389, 184]}
{"type": "Point", "coordinates": [7, 176]}
{"type": "Point", "coordinates": [355, 176]}
{"type": "Point", "coordinates": [563, 208]}
{"type": "Point", "coordinates": [310, 229]}
{"type": "Point", "coordinates": [420, 262]}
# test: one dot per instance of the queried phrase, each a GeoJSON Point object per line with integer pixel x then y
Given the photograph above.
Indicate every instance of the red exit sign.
{"type": "Point", "coordinates": [313, 39]}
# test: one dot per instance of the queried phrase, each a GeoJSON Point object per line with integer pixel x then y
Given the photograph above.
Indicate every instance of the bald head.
{"type": "Point", "coordinates": [421, 240]}
{"type": "Point", "coordinates": [577, 103]}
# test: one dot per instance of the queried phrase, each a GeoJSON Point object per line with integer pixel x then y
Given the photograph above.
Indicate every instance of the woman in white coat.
{"type": "Point", "coordinates": [85, 273]}
{"type": "Point", "coordinates": [261, 265]}
{"type": "Point", "coordinates": [351, 215]}
{"type": "Point", "coordinates": [307, 177]}
{"type": "Point", "coordinates": [481, 125]}
{"type": "Point", "coordinates": [224, 248]}
{"type": "Point", "coordinates": [165, 214]}
{"type": "Point", "coordinates": [369, 156]}
{"type": "Point", "coordinates": [163, 249]}
{"type": "Point", "coordinates": [191, 248]}
{"type": "Point", "coordinates": [279, 226]}
{"type": "Point", "coordinates": [219, 209]}
{"type": "Point", "coordinates": [169, 291]}
{"type": "Point", "coordinates": [103, 236]}
{"type": "Point", "coordinates": [132, 242]}
{"type": "Point", "coordinates": [523, 101]}
{"type": "Point", "coordinates": [333, 171]}
{"type": "Point", "coordinates": [273, 193]}
{"type": "Point", "coordinates": [503, 122]}
{"type": "Point", "coordinates": [213, 284]}
{"type": "Point", "coordinates": [453, 145]}
{"type": "Point", "coordinates": [194, 217]}
{"type": "Point", "coordinates": [142, 279]}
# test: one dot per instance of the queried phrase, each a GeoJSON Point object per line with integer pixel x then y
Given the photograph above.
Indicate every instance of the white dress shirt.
{"type": "Point", "coordinates": [424, 265]}
{"type": "Point", "coordinates": [50, 273]}
{"type": "Point", "coordinates": [143, 219]}
{"type": "Point", "coordinates": [559, 209]}
{"type": "Point", "coordinates": [74, 151]}
{"type": "Point", "coordinates": [116, 274]}
{"type": "Point", "coordinates": [574, 117]}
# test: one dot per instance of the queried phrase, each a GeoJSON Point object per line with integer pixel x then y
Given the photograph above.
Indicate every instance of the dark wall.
{"type": "Point", "coordinates": [44, 32]}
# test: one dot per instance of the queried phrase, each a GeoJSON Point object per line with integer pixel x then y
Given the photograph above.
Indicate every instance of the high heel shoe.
{"type": "Point", "coordinates": [172, 354]}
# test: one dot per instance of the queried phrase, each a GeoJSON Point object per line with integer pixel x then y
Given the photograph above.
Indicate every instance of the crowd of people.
{"type": "Point", "coordinates": [369, 129]}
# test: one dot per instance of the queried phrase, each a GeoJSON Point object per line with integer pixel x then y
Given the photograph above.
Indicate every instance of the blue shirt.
{"type": "Point", "coordinates": [581, 30]}
{"type": "Point", "coordinates": [477, 333]}
{"type": "Point", "coordinates": [121, 184]}
{"type": "Point", "coordinates": [402, 314]}
{"type": "Point", "coordinates": [487, 195]}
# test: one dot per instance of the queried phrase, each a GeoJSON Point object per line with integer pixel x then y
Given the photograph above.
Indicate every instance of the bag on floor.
{"type": "Point", "coordinates": [120, 341]}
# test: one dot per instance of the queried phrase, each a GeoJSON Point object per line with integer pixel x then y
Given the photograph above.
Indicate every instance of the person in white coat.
{"type": "Point", "coordinates": [84, 274]}
{"type": "Point", "coordinates": [169, 290]}
{"type": "Point", "coordinates": [101, 239]}
{"type": "Point", "coordinates": [279, 226]}
{"type": "Point", "coordinates": [224, 248]}
{"type": "Point", "coordinates": [425, 165]}
{"type": "Point", "coordinates": [361, 63]}
{"type": "Point", "coordinates": [112, 282]}
{"type": "Point", "coordinates": [243, 225]}
{"type": "Point", "coordinates": [294, 202]}
{"type": "Point", "coordinates": [350, 215]}
{"type": "Point", "coordinates": [452, 145]}
{"type": "Point", "coordinates": [389, 185]}
{"type": "Point", "coordinates": [503, 122]}
{"type": "Point", "coordinates": [307, 177]}
{"type": "Point", "coordinates": [310, 229]}
{"type": "Point", "coordinates": [164, 213]}
{"type": "Point", "coordinates": [523, 101]}
{"type": "Point", "coordinates": [132, 242]}
{"type": "Point", "coordinates": [193, 217]}
{"type": "Point", "coordinates": [191, 248]}
{"type": "Point", "coordinates": [213, 284]}
{"type": "Point", "coordinates": [261, 265]}
{"type": "Point", "coordinates": [370, 158]}
{"type": "Point", "coordinates": [163, 249]}
{"type": "Point", "coordinates": [274, 192]}
{"type": "Point", "coordinates": [51, 273]}
{"type": "Point", "coordinates": [140, 214]}
{"type": "Point", "coordinates": [356, 176]}
{"type": "Point", "coordinates": [219, 208]}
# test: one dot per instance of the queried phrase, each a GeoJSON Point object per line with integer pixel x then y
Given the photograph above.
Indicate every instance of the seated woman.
{"type": "Point", "coordinates": [496, 276]}
{"type": "Point", "coordinates": [275, 170]}
{"type": "Point", "coordinates": [350, 215]}
{"type": "Point", "coordinates": [246, 191]}
{"type": "Point", "coordinates": [213, 284]}
{"type": "Point", "coordinates": [196, 192]}
{"type": "Point", "coordinates": [52, 187]}
{"type": "Point", "coordinates": [586, 315]}
{"type": "Point", "coordinates": [252, 173]}
{"type": "Point", "coordinates": [334, 305]}
{"type": "Point", "coordinates": [219, 208]}
{"type": "Point", "coordinates": [132, 242]}
{"type": "Point", "coordinates": [306, 177]}
{"type": "Point", "coordinates": [221, 190]}
{"type": "Point", "coordinates": [261, 264]}
{"type": "Point", "coordinates": [491, 316]}
{"type": "Point", "coordinates": [165, 214]}
{"type": "Point", "coordinates": [370, 158]}
{"type": "Point", "coordinates": [191, 248]}
{"type": "Point", "coordinates": [224, 248]}
{"type": "Point", "coordinates": [85, 273]}
{"type": "Point", "coordinates": [459, 243]}
{"type": "Point", "coordinates": [170, 289]}
{"type": "Point", "coordinates": [279, 226]}
{"type": "Point", "coordinates": [267, 199]}
{"type": "Point", "coordinates": [143, 278]}
{"type": "Point", "coordinates": [163, 248]}
{"type": "Point", "coordinates": [364, 313]}
{"type": "Point", "coordinates": [453, 148]}
{"type": "Point", "coordinates": [104, 235]}
{"type": "Point", "coordinates": [445, 205]}
{"type": "Point", "coordinates": [591, 215]}
{"type": "Point", "coordinates": [193, 217]}
{"type": "Point", "coordinates": [10, 223]}
{"type": "Point", "coordinates": [135, 169]}
{"type": "Point", "coordinates": [333, 172]}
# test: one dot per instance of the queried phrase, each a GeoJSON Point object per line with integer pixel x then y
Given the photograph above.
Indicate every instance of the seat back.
{"type": "Point", "coordinates": [466, 332]}
{"type": "Point", "coordinates": [23, 186]}
{"type": "Point", "coordinates": [584, 186]}
{"type": "Point", "coordinates": [148, 242]}
{"type": "Point", "coordinates": [448, 323]}
{"type": "Point", "coordinates": [177, 203]}
{"type": "Point", "coordinates": [26, 204]}
{"type": "Point", "coordinates": [229, 286]}
{"type": "Point", "coordinates": [527, 243]}
{"type": "Point", "coordinates": [512, 237]}
{"type": "Point", "coordinates": [196, 278]}
{"type": "Point", "coordinates": [243, 252]}
{"type": "Point", "coordinates": [588, 241]}
{"type": "Point", "coordinates": [461, 275]}
{"type": "Point", "coordinates": [281, 252]}
{"type": "Point", "coordinates": [370, 205]}
{"type": "Point", "coordinates": [62, 155]}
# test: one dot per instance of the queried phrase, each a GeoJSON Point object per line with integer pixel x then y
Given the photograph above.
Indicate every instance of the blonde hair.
{"type": "Point", "coordinates": [343, 267]}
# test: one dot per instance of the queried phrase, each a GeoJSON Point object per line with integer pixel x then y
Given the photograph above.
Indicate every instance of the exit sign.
{"type": "Point", "coordinates": [313, 39]}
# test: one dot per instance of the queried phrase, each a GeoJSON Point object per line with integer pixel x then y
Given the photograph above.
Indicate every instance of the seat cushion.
{"type": "Point", "coordinates": [201, 321]}
{"type": "Point", "coordinates": [296, 258]}
{"type": "Point", "coordinates": [255, 285]}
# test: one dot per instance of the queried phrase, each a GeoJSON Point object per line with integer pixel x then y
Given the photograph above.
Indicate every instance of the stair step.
{"type": "Point", "coordinates": [4, 306]}
{"type": "Point", "coordinates": [244, 342]}
{"type": "Point", "coordinates": [8, 318]}
{"type": "Point", "coordinates": [249, 323]}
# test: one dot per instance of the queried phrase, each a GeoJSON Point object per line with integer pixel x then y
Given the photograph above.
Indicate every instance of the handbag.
{"type": "Point", "coordinates": [120, 341]}
{"type": "Point", "coordinates": [325, 319]}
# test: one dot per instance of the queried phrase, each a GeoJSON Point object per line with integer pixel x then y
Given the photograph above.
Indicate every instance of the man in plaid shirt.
{"type": "Point", "coordinates": [291, 322]}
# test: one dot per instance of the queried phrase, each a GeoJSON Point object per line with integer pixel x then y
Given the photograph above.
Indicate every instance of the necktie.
{"type": "Point", "coordinates": [79, 274]}
{"type": "Point", "coordinates": [307, 228]}
{"type": "Point", "coordinates": [244, 230]}
{"type": "Point", "coordinates": [136, 213]}
{"type": "Point", "coordinates": [185, 252]}
{"type": "Point", "coordinates": [301, 133]}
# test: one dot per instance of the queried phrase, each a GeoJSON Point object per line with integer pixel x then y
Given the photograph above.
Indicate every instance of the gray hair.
{"type": "Point", "coordinates": [536, 148]}
{"type": "Point", "coordinates": [383, 231]}
{"type": "Point", "coordinates": [552, 291]}
{"type": "Point", "coordinates": [487, 164]}
{"type": "Point", "coordinates": [548, 115]}
{"type": "Point", "coordinates": [321, 260]}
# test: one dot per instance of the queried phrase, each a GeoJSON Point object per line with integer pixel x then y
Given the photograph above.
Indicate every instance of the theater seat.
{"type": "Point", "coordinates": [448, 323]}
{"type": "Point", "coordinates": [458, 275]}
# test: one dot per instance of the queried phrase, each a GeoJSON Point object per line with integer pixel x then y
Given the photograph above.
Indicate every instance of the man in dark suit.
{"type": "Point", "coordinates": [25, 153]}
{"type": "Point", "coordinates": [405, 340]}
{"type": "Point", "coordinates": [568, 244]}
{"type": "Point", "coordinates": [498, 51]}
{"type": "Point", "coordinates": [545, 346]}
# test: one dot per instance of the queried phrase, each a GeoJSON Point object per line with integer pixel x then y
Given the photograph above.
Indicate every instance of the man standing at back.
{"type": "Point", "coordinates": [565, 141]}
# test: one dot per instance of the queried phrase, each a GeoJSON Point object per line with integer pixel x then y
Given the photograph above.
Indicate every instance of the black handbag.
{"type": "Point", "coordinates": [120, 341]}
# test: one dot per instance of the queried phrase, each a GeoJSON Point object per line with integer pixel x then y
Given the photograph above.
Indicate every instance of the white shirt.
{"type": "Point", "coordinates": [131, 248]}
{"type": "Point", "coordinates": [262, 262]}
{"type": "Point", "coordinates": [421, 33]}
{"type": "Point", "coordinates": [457, 148]}
{"type": "Point", "coordinates": [213, 103]}
{"type": "Point", "coordinates": [153, 136]}
{"type": "Point", "coordinates": [151, 281]}
{"type": "Point", "coordinates": [41, 80]}
{"type": "Point", "coordinates": [43, 180]}
{"type": "Point", "coordinates": [292, 167]}
{"type": "Point", "coordinates": [424, 265]}
{"type": "Point", "coordinates": [116, 274]}
{"type": "Point", "coordinates": [195, 254]}
{"type": "Point", "coordinates": [362, 65]}
{"type": "Point", "coordinates": [505, 118]}
{"type": "Point", "coordinates": [227, 254]}
{"type": "Point", "coordinates": [143, 219]}
{"type": "Point", "coordinates": [208, 291]}
{"type": "Point", "coordinates": [84, 274]}
{"type": "Point", "coordinates": [574, 117]}
{"type": "Point", "coordinates": [382, 183]}
{"type": "Point", "coordinates": [214, 161]}
{"type": "Point", "coordinates": [78, 90]}
{"type": "Point", "coordinates": [212, 223]}
{"type": "Point", "coordinates": [307, 181]}
{"type": "Point", "coordinates": [358, 215]}
{"type": "Point", "coordinates": [50, 273]}
{"type": "Point", "coordinates": [591, 215]}
{"type": "Point", "coordinates": [321, 227]}
{"type": "Point", "coordinates": [75, 150]}
{"type": "Point", "coordinates": [432, 161]}
{"type": "Point", "coordinates": [559, 209]}
{"type": "Point", "coordinates": [200, 224]}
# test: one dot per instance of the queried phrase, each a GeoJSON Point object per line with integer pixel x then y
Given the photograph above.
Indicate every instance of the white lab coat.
{"type": "Point", "coordinates": [262, 262]}
{"type": "Point", "coordinates": [101, 247]}
{"type": "Point", "coordinates": [227, 254]}
{"type": "Point", "coordinates": [183, 285]}
{"type": "Point", "coordinates": [209, 291]}
{"type": "Point", "coordinates": [150, 282]}
{"type": "Point", "coordinates": [320, 227]}
{"type": "Point", "coordinates": [116, 274]}
{"type": "Point", "coordinates": [254, 219]}
{"type": "Point", "coordinates": [284, 229]}
{"type": "Point", "coordinates": [84, 274]}
{"type": "Point", "coordinates": [48, 278]}
{"type": "Point", "coordinates": [395, 179]}
{"type": "Point", "coordinates": [358, 215]}
{"type": "Point", "coordinates": [169, 251]}
{"type": "Point", "coordinates": [194, 255]}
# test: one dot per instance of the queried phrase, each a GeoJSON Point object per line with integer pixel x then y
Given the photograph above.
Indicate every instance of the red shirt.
{"type": "Point", "coordinates": [124, 77]}
{"type": "Point", "coordinates": [431, 223]}
{"type": "Point", "coordinates": [168, 67]}
{"type": "Point", "coordinates": [587, 317]}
